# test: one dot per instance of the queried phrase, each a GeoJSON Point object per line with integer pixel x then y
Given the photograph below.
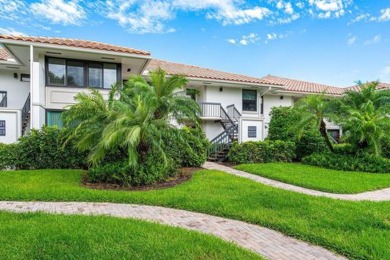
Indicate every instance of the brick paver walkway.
{"type": "Point", "coordinates": [378, 195]}
{"type": "Point", "coordinates": [266, 242]}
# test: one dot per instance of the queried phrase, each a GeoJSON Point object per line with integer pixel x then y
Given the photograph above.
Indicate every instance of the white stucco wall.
{"type": "Point", "coordinates": [60, 97]}
{"type": "Point", "coordinates": [13, 125]}
{"type": "Point", "coordinates": [212, 129]}
{"type": "Point", "coordinates": [249, 122]}
{"type": "Point", "coordinates": [17, 91]}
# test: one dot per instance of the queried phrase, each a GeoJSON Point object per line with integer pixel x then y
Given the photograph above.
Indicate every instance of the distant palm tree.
{"type": "Point", "coordinates": [314, 110]}
{"type": "Point", "coordinates": [132, 119]}
{"type": "Point", "coordinates": [364, 116]}
{"type": "Point", "coordinates": [366, 126]}
{"type": "Point", "coordinates": [367, 92]}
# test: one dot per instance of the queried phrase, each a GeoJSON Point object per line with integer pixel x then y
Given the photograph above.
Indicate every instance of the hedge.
{"type": "Point", "coordinates": [262, 152]}
{"type": "Point", "coordinates": [41, 149]}
{"type": "Point", "coordinates": [361, 162]}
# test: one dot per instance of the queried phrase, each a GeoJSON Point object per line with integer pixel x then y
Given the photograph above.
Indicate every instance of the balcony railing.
{"type": "Point", "coordinates": [212, 110]}
{"type": "Point", "coordinates": [3, 99]}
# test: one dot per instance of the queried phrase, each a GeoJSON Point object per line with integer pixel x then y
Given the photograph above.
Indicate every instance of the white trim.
{"type": "Point", "coordinates": [63, 47]}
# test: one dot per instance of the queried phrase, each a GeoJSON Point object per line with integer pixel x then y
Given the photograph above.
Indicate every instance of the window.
{"type": "Point", "coordinates": [95, 75]}
{"type": "Point", "coordinates": [262, 105]}
{"type": "Point", "coordinates": [249, 100]}
{"type": "Point", "coordinates": [56, 71]}
{"type": "Point", "coordinates": [252, 131]}
{"type": "Point", "coordinates": [54, 118]}
{"type": "Point", "coordinates": [110, 74]}
{"type": "Point", "coordinates": [3, 98]}
{"type": "Point", "coordinates": [77, 73]}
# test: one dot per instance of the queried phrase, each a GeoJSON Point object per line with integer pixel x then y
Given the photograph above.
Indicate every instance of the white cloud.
{"type": "Point", "coordinates": [151, 16]}
{"type": "Point", "coordinates": [272, 36]}
{"type": "Point", "coordinates": [376, 39]}
{"type": "Point", "coordinates": [232, 41]}
{"type": "Point", "coordinates": [385, 15]}
{"type": "Point", "coordinates": [286, 6]}
{"type": "Point", "coordinates": [11, 31]}
{"type": "Point", "coordinates": [275, 36]}
{"type": "Point", "coordinates": [12, 9]}
{"type": "Point", "coordinates": [361, 17]}
{"type": "Point", "coordinates": [300, 5]}
{"type": "Point", "coordinates": [243, 42]}
{"type": "Point", "coordinates": [245, 39]}
{"type": "Point", "coordinates": [329, 8]}
{"type": "Point", "coordinates": [351, 39]}
{"type": "Point", "coordinates": [59, 11]}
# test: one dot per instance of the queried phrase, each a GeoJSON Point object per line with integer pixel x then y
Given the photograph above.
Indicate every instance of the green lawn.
{"type": "Point", "coordinates": [355, 229]}
{"type": "Point", "coordinates": [319, 178]}
{"type": "Point", "coordinates": [42, 236]}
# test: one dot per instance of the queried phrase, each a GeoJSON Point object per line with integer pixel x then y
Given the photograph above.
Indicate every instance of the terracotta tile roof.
{"type": "Point", "coordinates": [173, 68]}
{"type": "Point", "coordinates": [4, 55]}
{"type": "Point", "coordinates": [74, 43]}
{"type": "Point", "coordinates": [304, 86]}
{"type": "Point", "coordinates": [381, 85]}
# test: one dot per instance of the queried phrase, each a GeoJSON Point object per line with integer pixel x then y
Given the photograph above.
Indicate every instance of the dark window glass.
{"type": "Point", "coordinates": [95, 75]}
{"type": "Point", "coordinates": [262, 105]}
{"type": "Point", "coordinates": [249, 100]}
{"type": "Point", "coordinates": [56, 71]}
{"type": "Point", "coordinates": [54, 118]}
{"type": "Point", "coordinates": [75, 73]}
{"type": "Point", "coordinates": [110, 75]}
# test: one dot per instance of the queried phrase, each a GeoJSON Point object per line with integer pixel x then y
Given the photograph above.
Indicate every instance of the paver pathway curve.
{"type": "Point", "coordinates": [378, 195]}
{"type": "Point", "coordinates": [266, 242]}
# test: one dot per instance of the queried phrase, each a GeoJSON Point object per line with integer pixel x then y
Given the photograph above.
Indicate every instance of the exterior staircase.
{"type": "Point", "coordinates": [26, 114]}
{"type": "Point", "coordinates": [221, 144]}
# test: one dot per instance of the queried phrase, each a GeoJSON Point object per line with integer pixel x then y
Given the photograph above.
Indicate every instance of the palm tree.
{"type": "Point", "coordinates": [367, 92]}
{"type": "Point", "coordinates": [133, 119]}
{"type": "Point", "coordinates": [314, 110]}
{"type": "Point", "coordinates": [364, 116]}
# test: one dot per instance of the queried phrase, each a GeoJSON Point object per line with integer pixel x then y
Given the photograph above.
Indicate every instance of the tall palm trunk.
{"type": "Point", "coordinates": [325, 135]}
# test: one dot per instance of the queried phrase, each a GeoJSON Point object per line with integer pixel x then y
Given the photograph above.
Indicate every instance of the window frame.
{"type": "Point", "coordinates": [249, 90]}
{"type": "Point", "coordinates": [52, 110]}
{"type": "Point", "coordinates": [85, 70]}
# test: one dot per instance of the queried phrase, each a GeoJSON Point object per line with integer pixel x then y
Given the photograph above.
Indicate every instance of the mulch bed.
{"type": "Point", "coordinates": [185, 174]}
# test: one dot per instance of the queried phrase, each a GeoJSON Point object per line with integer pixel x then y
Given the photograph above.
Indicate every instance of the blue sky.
{"type": "Point", "coordinates": [334, 42]}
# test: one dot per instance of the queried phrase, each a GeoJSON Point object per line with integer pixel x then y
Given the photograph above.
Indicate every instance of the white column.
{"type": "Point", "coordinates": [37, 115]}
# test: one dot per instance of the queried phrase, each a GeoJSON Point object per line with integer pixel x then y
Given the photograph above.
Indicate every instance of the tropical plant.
{"type": "Point", "coordinates": [364, 117]}
{"type": "Point", "coordinates": [315, 109]}
{"type": "Point", "coordinates": [132, 119]}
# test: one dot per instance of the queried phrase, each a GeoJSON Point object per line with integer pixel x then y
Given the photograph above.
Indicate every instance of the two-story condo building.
{"type": "Point", "coordinates": [40, 76]}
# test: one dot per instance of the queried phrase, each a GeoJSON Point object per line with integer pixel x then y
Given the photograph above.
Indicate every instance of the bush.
{"type": "Point", "coordinates": [190, 151]}
{"type": "Point", "coordinates": [385, 146]}
{"type": "Point", "coordinates": [361, 162]}
{"type": "Point", "coordinates": [153, 170]}
{"type": "Point", "coordinates": [41, 149]}
{"type": "Point", "coordinates": [8, 156]}
{"type": "Point", "coordinates": [262, 152]}
{"type": "Point", "coordinates": [282, 127]}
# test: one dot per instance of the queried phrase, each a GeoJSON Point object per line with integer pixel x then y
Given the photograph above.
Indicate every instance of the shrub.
{"type": "Point", "coordinates": [8, 156]}
{"type": "Point", "coordinates": [153, 170]}
{"type": "Point", "coordinates": [345, 149]}
{"type": "Point", "coordinates": [41, 149]}
{"type": "Point", "coordinates": [262, 152]}
{"type": "Point", "coordinates": [363, 162]}
{"type": "Point", "coordinates": [190, 150]}
{"type": "Point", "coordinates": [385, 147]}
{"type": "Point", "coordinates": [282, 120]}
{"type": "Point", "coordinates": [282, 127]}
